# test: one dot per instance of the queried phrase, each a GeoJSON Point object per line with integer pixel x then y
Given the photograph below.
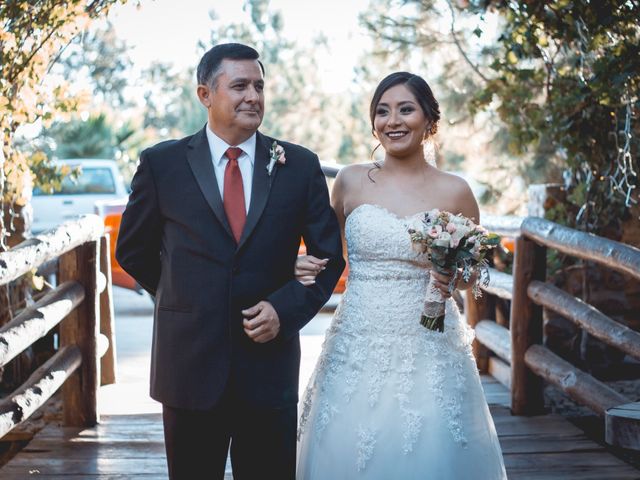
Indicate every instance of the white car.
{"type": "Point", "coordinates": [99, 180]}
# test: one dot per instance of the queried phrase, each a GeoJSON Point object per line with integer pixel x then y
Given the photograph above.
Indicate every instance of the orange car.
{"type": "Point", "coordinates": [112, 214]}
{"type": "Point", "coordinates": [509, 243]}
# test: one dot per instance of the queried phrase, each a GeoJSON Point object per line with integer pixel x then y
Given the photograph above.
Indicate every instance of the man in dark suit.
{"type": "Point", "coordinates": [212, 230]}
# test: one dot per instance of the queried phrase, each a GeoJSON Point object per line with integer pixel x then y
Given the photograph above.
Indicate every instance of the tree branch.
{"type": "Point", "coordinates": [457, 42]}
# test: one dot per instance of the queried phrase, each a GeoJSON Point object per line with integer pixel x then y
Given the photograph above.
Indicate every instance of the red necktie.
{"type": "Point", "coordinates": [234, 193]}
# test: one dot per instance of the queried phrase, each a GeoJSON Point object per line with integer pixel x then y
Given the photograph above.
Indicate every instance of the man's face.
{"type": "Point", "coordinates": [236, 102]}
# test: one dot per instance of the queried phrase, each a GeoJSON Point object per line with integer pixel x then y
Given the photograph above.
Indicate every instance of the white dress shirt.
{"type": "Point", "coordinates": [218, 148]}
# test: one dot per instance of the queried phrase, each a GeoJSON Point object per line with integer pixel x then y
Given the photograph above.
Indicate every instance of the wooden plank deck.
{"type": "Point", "coordinates": [128, 444]}
{"type": "Point", "coordinates": [548, 447]}
{"type": "Point", "coordinates": [131, 447]}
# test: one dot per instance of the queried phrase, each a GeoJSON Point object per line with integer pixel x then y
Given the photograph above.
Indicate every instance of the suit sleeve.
{"type": "Point", "coordinates": [138, 247]}
{"type": "Point", "coordinates": [295, 303]}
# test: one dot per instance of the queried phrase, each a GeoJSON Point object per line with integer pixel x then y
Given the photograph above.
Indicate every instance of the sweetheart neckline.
{"type": "Point", "coordinates": [386, 210]}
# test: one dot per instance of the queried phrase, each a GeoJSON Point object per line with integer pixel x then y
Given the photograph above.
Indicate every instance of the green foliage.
{"type": "Point", "coordinates": [557, 87]}
{"type": "Point", "coordinates": [107, 124]}
{"type": "Point", "coordinates": [32, 36]}
{"type": "Point", "coordinates": [565, 83]}
{"type": "Point", "coordinates": [171, 106]}
{"type": "Point", "coordinates": [50, 177]}
{"type": "Point", "coordinates": [297, 107]}
{"type": "Point", "coordinates": [91, 138]}
{"type": "Point", "coordinates": [440, 42]}
{"type": "Point", "coordinates": [103, 57]}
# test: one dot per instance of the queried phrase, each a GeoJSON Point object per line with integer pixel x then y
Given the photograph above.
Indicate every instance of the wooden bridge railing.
{"type": "Point", "coordinates": [81, 303]}
{"type": "Point", "coordinates": [521, 362]}
{"type": "Point", "coordinates": [491, 329]}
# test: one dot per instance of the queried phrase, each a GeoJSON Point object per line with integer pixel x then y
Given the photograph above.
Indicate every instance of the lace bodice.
{"type": "Point", "coordinates": [379, 246]}
{"type": "Point", "coordinates": [387, 276]}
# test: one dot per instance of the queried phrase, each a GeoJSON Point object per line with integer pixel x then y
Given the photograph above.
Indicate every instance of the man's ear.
{"type": "Point", "coordinates": [204, 95]}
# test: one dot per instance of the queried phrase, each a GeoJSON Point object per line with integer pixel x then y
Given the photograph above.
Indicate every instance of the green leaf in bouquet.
{"type": "Point", "coordinates": [463, 255]}
{"type": "Point", "coordinates": [493, 239]}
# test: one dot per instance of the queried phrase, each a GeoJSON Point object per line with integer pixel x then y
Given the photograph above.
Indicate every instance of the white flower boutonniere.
{"type": "Point", "coordinates": [276, 154]}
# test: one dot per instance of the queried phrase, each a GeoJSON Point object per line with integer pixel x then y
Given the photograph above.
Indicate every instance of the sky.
{"type": "Point", "coordinates": [169, 30]}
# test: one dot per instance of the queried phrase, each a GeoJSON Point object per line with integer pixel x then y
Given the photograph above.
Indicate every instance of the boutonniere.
{"type": "Point", "coordinates": [276, 154]}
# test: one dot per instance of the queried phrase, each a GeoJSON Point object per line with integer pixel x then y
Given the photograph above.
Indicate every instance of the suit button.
{"type": "Point", "coordinates": [235, 269]}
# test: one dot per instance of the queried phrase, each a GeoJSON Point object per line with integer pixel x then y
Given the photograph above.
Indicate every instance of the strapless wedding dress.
{"type": "Point", "coordinates": [390, 399]}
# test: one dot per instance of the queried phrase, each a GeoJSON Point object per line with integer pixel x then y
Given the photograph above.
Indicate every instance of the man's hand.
{"type": "Point", "coordinates": [261, 322]}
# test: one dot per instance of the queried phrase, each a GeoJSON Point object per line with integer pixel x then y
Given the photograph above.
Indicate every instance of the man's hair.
{"type": "Point", "coordinates": [210, 63]}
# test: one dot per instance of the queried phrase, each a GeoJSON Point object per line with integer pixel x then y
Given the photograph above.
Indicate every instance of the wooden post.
{"type": "Point", "coordinates": [622, 426]}
{"type": "Point", "coordinates": [476, 310]}
{"type": "Point", "coordinates": [107, 321]}
{"type": "Point", "coordinates": [526, 327]}
{"type": "Point", "coordinates": [80, 391]}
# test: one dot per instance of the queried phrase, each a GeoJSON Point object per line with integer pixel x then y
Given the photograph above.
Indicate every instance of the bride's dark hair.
{"type": "Point", "coordinates": [420, 89]}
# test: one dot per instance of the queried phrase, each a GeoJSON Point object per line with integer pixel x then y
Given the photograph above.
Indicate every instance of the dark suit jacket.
{"type": "Point", "coordinates": [175, 241]}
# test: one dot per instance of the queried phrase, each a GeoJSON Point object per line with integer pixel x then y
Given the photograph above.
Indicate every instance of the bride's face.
{"type": "Point", "coordinates": [399, 122]}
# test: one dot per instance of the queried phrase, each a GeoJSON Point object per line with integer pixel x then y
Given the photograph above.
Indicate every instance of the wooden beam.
{"type": "Point", "coordinates": [36, 321]}
{"type": "Point", "coordinates": [500, 284]}
{"type": "Point", "coordinates": [501, 371]}
{"type": "Point", "coordinates": [615, 255]}
{"type": "Point", "coordinates": [50, 267]}
{"type": "Point", "coordinates": [38, 388]}
{"type": "Point", "coordinates": [107, 319]}
{"type": "Point", "coordinates": [622, 426]}
{"type": "Point", "coordinates": [81, 328]}
{"type": "Point", "coordinates": [33, 252]}
{"type": "Point", "coordinates": [506, 225]}
{"type": "Point", "coordinates": [579, 385]}
{"type": "Point", "coordinates": [586, 316]}
{"type": "Point", "coordinates": [495, 338]}
{"type": "Point", "coordinates": [526, 327]}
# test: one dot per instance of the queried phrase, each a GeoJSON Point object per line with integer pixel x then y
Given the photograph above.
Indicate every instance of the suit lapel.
{"type": "Point", "coordinates": [260, 186]}
{"type": "Point", "coordinates": [199, 158]}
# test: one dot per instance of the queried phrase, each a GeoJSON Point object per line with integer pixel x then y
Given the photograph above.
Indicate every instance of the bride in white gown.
{"type": "Point", "coordinates": [390, 399]}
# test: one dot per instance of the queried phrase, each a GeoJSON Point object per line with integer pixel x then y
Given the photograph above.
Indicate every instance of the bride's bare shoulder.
{"type": "Point", "coordinates": [451, 182]}
{"type": "Point", "coordinates": [458, 194]}
{"type": "Point", "coordinates": [354, 173]}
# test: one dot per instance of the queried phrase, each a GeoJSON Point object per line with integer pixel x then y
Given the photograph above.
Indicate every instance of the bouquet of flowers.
{"type": "Point", "coordinates": [452, 242]}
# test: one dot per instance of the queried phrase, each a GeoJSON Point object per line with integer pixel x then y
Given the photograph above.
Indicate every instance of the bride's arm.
{"type": "Point", "coordinates": [337, 202]}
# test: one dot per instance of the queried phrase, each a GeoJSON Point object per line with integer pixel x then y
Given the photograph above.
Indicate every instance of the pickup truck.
{"type": "Point", "coordinates": [98, 180]}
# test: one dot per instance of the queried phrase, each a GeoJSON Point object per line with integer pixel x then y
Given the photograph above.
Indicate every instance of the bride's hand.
{"type": "Point", "coordinates": [442, 281]}
{"type": "Point", "coordinates": [307, 268]}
